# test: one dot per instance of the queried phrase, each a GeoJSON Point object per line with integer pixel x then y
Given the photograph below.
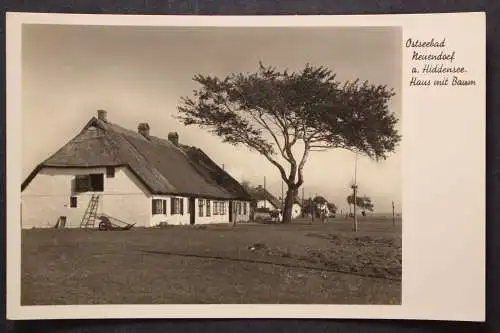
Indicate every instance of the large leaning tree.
{"type": "Point", "coordinates": [286, 115]}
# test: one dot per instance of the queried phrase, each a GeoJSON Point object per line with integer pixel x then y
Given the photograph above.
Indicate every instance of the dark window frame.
{"type": "Point", "coordinates": [93, 182]}
{"type": "Point", "coordinates": [110, 172]}
{"type": "Point", "coordinates": [176, 206]}
{"type": "Point", "coordinates": [73, 202]}
{"type": "Point", "coordinates": [215, 208]}
{"type": "Point", "coordinates": [209, 208]}
{"type": "Point", "coordinates": [159, 207]}
{"type": "Point", "coordinates": [200, 207]}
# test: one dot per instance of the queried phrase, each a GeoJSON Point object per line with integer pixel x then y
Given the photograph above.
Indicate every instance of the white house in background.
{"type": "Point", "coordinates": [264, 199]}
{"type": "Point", "coordinates": [135, 177]}
{"type": "Point", "coordinates": [296, 209]}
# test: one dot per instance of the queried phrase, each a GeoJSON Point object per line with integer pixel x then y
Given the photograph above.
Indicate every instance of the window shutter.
{"type": "Point", "coordinates": [172, 201]}
{"type": "Point", "coordinates": [153, 204]}
{"type": "Point", "coordinates": [182, 205]}
{"type": "Point", "coordinates": [164, 206]}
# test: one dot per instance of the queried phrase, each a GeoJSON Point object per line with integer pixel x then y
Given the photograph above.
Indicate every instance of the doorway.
{"type": "Point", "coordinates": [192, 211]}
{"type": "Point", "coordinates": [230, 211]}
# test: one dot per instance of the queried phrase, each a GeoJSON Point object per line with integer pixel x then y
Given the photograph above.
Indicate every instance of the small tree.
{"type": "Point", "coordinates": [359, 201]}
{"type": "Point", "coordinates": [332, 207]}
{"type": "Point", "coordinates": [366, 203]}
{"type": "Point", "coordinates": [285, 116]}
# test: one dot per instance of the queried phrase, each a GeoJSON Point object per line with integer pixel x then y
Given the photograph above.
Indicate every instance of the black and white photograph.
{"type": "Point", "coordinates": [211, 165]}
{"type": "Point", "coordinates": [242, 165]}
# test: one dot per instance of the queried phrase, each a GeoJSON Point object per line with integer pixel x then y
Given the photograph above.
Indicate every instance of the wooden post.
{"type": "Point", "coordinates": [311, 207]}
{"type": "Point", "coordinates": [302, 206]}
{"type": "Point", "coordinates": [265, 200]}
{"type": "Point", "coordinates": [393, 218]}
{"type": "Point", "coordinates": [354, 189]}
{"type": "Point", "coordinates": [355, 226]}
{"type": "Point", "coordinates": [233, 209]}
{"type": "Point", "coordinates": [282, 198]}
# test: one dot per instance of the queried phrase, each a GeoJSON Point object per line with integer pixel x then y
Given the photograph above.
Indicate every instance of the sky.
{"type": "Point", "coordinates": [139, 74]}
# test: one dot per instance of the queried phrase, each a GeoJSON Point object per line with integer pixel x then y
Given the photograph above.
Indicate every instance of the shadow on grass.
{"type": "Point", "coordinates": [265, 262]}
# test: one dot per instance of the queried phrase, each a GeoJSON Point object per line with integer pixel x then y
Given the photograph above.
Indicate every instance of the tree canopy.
{"type": "Point", "coordinates": [363, 202]}
{"type": "Point", "coordinates": [320, 200]}
{"type": "Point", "coordinates": [286, 115]}
{"type": "Point", "coordinates": [332, 207]}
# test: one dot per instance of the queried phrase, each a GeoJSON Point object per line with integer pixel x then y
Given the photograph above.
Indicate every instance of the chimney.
{"type": "Point", "coordinates": [143, 129]}
{"type": "Point", "coordinates": [102, 115]}
{"type": "Point", "coordinates": [174, 138]}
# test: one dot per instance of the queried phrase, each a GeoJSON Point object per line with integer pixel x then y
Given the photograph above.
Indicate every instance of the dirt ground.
{"type": "Point", "coordinates": [249, 263]}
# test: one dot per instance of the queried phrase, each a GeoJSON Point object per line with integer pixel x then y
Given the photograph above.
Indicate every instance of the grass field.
{"type": "Point", "coordinates": [292, 264]}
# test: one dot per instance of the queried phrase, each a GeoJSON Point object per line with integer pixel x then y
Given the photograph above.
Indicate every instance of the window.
{"type": "Point", "coordinates": [209, 212]}
{"type": "Point", "coordinates": [159, 206]}
{"type": "Point", "coordinates": [216, 207]}
{"type": "Point", "coordinates": [89, 183]}
{"type": "Point", "coordinates": [82, 183]}
{"type": "Point", "coordinates": [73, 202]}
{"type": "Point", "coordinates": [177, 206]}
{"type": "Point", "coordinates": [200, 207]}
{"type": "Point", "coordinates": [238, 207]}
{"type": "Point", "coordinates": [110, 172]}
{"type": "Point", "coordinates": [97, 182]}
{"type": "Point", "coordinates": [244, 208]}
{"type": "Point", "coordinates": [222, 208]}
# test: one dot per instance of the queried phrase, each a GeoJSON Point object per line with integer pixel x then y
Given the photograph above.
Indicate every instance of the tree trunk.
{"type": "Point", "coordinates": [287, 209]}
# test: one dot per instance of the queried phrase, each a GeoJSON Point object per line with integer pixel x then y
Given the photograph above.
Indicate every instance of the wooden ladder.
{"type": "Point", "coordinates": [88, 220]}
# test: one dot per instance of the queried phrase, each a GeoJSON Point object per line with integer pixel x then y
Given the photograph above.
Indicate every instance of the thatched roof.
{"type": "Point", "coordinates": [259, 193]}
{"type": "Point", "coordinates": [162, 166]}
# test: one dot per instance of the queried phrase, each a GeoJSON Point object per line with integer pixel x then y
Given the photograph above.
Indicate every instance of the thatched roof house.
{"type": "Point", "coordinates": [160, 167]}
{"type": "Point", "coordinates": [264, 198]}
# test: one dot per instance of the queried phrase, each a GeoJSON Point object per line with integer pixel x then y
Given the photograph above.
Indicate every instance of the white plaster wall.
{"type": "Point", "coordinates": [296, 210]}
{"type": "Point", "coordinates": [243, 216]}
{"type": "Point", "coordinates": [175, 219]}
{"type": "Point", "coordinates": [219, 218]}
{"type": "Point", "coordinates": [183, 219]}
{"type": "Point", "coordinates": [48, 196]}
{"type": "Point", "coordinates": [265, 204]}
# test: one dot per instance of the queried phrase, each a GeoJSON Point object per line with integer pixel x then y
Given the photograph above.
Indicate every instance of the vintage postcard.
{"type": "Point", "coordinates": [246, 167]}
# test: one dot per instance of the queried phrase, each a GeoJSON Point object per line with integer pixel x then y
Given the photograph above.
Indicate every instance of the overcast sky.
{"type": "Point", "coordinates": [140, 74]}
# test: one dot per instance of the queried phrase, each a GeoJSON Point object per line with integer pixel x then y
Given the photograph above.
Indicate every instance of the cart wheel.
{"type": "Point", "coordinates": [103, 226]}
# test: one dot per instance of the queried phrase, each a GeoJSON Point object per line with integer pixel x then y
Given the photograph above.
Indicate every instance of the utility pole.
{"type": "Point", "coordinates": [282, 198]}
{"type": "Point", "coordinates": [393, 219]}
{"type": "Point", "coordinates": [265, 200]}
{"type": "Point", "coordinates": [354, 190]}
{"type": "Point", "coordinates": [311, 207]}
{"type": "Point", "coordinates": [302, 206]}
